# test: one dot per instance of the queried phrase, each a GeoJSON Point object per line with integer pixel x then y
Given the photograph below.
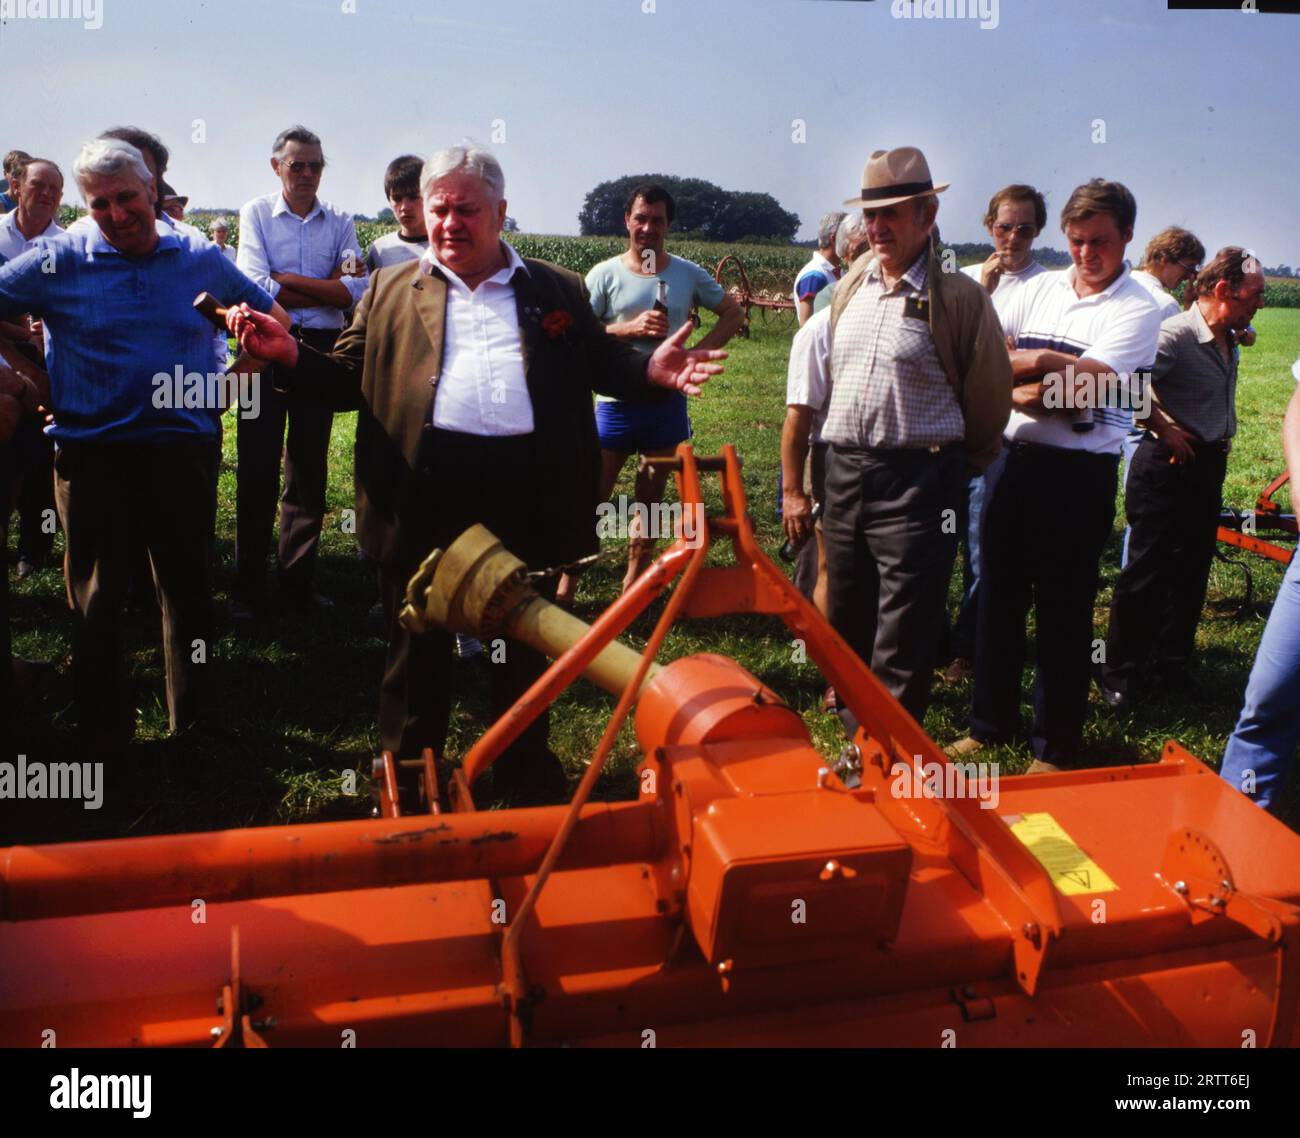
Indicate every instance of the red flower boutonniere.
{"type": "Point", "coordinates": [556, 324]}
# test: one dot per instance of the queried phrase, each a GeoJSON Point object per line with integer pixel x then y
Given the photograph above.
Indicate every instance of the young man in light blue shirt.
{"type": "Point", "coordinates": [305, 253]}
{"type": "Point", "coordinates": [625, 291]}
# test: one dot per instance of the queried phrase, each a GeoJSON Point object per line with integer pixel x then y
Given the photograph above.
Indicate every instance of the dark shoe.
{"type": "Point", "coordinates": [958, 670]}
{"type": "Point", "coordinates": [306, 605]}
{"type": "Point", "coordinates": [29, 676]}
{"type": "Point", "coordinates": [242, 613]}
{"type": "Point", "coordinates": [1115, 699]}
{"type": "Point", "coordinates": [535, 779]}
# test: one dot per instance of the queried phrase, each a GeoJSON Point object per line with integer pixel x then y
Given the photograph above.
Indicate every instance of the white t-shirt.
{"type": "Point", "coordinates": [1008, 283]}
{"type": "Point", "coordinates": [808, 381]}
{"type": "Point", "coordinates": [1164, 300]}
{"type": "Point", "coordinates": [1119, 327]}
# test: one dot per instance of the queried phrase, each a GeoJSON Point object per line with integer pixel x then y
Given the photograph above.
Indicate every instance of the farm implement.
{"type": "Point", "coordinates": [753, 893]}
{"type": "Point", "coordinates": [1240, 529]}
{"type": "Point", "coordinates": [765, 300]}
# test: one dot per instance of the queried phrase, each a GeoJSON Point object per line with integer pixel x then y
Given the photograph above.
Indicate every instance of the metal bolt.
{"type": "Point", "coordinates": [822, 774]}
{"type": "Point", "coordinates": [1180, 887]}
{"type": "Point", "coordinates": [1226, 884]}
{"type": "Point", "coordinates": [214, 1032]}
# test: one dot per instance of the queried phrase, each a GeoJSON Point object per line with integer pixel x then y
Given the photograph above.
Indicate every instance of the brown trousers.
{"type": "Point", "coordinates": [167, 492]}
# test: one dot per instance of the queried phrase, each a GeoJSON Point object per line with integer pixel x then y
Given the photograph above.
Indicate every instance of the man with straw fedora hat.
{"type": "Point", "coordinates": [921, 390]}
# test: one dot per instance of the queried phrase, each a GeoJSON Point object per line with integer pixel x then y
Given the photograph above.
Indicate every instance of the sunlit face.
{"type": "Point", "coordinates": [299, 169]}
{"type": "Point", "coordinates": [1242, 304]}
{"type": "Point", "coordinates": [409, 211]}
{"type": "Point", "coordinates": [122, 206]}
{"type": "Point", "coordinates": [1013, 232]}
{"type": "Point", "coordinates": [464, 226]}
{"type": "Point", "coordinates": [174, 209]}
{"type": "Point", "coordinates": [647, 226]}
{"type": "Point", "coordinates": [897, 234]}
{"type": "Point", "coordinates": [40, 193]}
{"type": "Point", "coordinates": [1097, 249]}
{"type": "Point", "coordinates": [219, 235]}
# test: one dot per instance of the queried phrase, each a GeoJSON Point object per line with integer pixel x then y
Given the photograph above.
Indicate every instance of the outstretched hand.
{"type": "Point", "coordinates": [679, 368]}
{"type": "Point", "coordinates": [262, 336]}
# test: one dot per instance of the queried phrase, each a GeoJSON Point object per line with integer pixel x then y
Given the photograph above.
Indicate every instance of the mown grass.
{"type": "Point", "coordinates": [298, 703]}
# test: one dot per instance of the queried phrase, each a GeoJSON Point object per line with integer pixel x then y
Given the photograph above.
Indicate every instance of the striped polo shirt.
{"type": "Point", "coordinates": [1119, 327]}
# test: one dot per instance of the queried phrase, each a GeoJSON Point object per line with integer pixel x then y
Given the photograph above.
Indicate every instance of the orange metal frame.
{"type": "Point", "coordinates": [595, 923]}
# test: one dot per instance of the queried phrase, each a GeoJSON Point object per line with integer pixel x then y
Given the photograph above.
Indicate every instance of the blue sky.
{"type": "Point", "coordinates": [1199, 121]}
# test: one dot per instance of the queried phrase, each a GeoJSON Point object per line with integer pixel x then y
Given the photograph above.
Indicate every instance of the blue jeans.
{"type": "Point", "coordinates": [1128, 450]}
{"type": "Point", "coordinates": [1264, 742]}
{"type": "Point", "coordinates": [981, 487]}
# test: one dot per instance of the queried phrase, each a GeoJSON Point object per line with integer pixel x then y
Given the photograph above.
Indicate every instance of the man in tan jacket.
{"type": "Point", "coordinates": [473, 370]}
{"type": "Point", "coordinates": [921, 389]}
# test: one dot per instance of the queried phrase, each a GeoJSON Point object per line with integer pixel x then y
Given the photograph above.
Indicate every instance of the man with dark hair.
{"type": "Point", "coordinates": [1084, 337]}
{"type": "Point", "coordinates": [641, 296]}
{"type": "Point", "coordinates": [920, 389]}
{"type": "Point", "coordinates": [305, 253]}
{"type": "Point", "coordinates": [822, 269]}
{"type": "Point", "coordinates": [156, 155]}
{"type": "Point", "coordinates": [402, 189]}
{"type": "Point", "coordinates": [1175, 489]}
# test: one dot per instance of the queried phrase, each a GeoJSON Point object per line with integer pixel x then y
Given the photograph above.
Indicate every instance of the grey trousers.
{"type": "Point", "coordinates": [890, 529]}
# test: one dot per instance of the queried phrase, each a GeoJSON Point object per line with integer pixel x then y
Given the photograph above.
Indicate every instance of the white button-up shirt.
{"type": "Point", "coordinates": [482, 389]}
{"type": "Point", "coordinates": [274, 239]}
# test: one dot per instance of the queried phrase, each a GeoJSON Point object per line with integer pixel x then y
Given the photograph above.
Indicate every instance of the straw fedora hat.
{"type": "Point", "coordinates": [893, 176]}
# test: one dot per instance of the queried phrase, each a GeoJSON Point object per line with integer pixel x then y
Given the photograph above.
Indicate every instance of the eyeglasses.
{"type": "Point", "coordinates": [299, 167]}
{"type": "Point", "coordinates": [1022, 230]}
{"type": "Point", "coordinates": [1191, 270]}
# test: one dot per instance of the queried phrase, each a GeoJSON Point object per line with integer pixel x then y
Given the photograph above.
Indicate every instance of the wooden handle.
{"type": "Point", "coordinates": [209, 306]}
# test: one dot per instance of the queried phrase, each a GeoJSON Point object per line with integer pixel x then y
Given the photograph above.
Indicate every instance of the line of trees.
{"type": "Point", "coordinates": [705, 211]}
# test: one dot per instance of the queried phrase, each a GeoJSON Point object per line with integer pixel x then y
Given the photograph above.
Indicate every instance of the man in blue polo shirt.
{"type": "Point", "coordinates": [117, 302]}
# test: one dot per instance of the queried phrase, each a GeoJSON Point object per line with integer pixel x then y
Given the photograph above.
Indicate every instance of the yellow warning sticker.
{"type": "Point", "coordinates": [1072, 871]}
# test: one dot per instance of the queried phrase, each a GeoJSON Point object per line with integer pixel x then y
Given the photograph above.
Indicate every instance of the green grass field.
{"type": "Point", "coordinates": [300, 708]}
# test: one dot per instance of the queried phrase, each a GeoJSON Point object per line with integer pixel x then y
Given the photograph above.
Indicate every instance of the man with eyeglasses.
{"type": "Point", "coordinates": [1175, 485]}
{"type": "Point", "coordinates": [305, 253]}
{"type": "Point", "coordinates": [1016, 215]}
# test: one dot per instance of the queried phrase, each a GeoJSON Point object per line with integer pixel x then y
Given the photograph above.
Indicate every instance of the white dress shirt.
{"type": "Point", "coordinates": [482, 389]}
{"type": "Point", "coordinates": [274, 239]}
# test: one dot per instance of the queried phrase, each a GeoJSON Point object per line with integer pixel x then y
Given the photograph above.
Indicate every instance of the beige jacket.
{"type": "Point", "coordinates": [971, 347]}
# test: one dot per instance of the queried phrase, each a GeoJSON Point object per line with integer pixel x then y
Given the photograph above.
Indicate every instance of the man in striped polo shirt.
{"type": "Point", "coordinates": [1083, 337]}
